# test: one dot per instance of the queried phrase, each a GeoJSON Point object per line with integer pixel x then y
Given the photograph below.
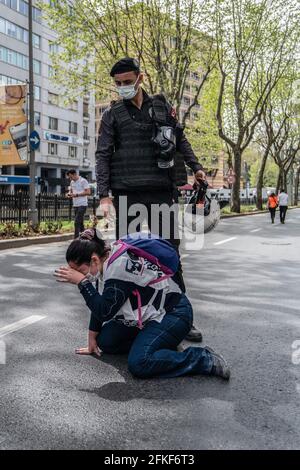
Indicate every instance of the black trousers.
{"type": "Point", "coordinates": [148, 198]}
{"type": "Point", "coordinates": [272, 213]}
{"type": "Point", "coordinates": [282, 211]}
{"type": "Point", "coordinates": [79, 220]}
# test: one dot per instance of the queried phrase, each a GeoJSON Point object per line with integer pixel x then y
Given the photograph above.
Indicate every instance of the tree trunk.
{"type": "Point", "coordinates": [297, 186]}
{"type": "Point", "coordinates": [284, 180]}
{"type": "Point", "coordinates": [279, 181]}
{"type": "Point", "coordinates": [235, 192]}
{"type": "Point", "coordinates": [260, 181]}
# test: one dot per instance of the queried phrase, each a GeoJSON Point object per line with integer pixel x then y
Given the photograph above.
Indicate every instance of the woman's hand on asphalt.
{"type": "Point", "coordinates": [67, 274]}
{"type": "Point", "coordinates": [91, 349]}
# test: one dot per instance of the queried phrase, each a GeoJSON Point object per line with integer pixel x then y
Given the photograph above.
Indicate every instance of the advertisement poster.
{"type": "Point", "coordinates": [13, 125]}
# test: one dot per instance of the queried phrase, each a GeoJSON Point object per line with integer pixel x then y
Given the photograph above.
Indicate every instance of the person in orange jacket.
{"type": "Point", "coordinates": [272, 204]}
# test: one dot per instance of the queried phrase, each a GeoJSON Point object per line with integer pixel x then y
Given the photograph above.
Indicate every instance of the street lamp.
{"type": "Point", "coordinates": [32, 214]}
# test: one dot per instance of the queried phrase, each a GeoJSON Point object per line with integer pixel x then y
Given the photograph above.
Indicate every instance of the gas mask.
{"type": "Point", "coordinates": [165, 141]}
{"type": "Point", "coordinates": [202, 213]}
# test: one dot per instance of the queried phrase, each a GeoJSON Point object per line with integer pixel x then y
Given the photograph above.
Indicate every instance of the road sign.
{"type": "Point", "coordinates": [34, 140]}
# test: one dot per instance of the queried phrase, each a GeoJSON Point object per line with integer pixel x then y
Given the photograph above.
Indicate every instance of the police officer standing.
{"type": "Point", "coordinates": [142, 152]}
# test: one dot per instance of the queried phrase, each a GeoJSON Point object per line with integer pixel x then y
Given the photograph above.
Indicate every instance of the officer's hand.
{"type": "Point", "coordinates": [106, 206]}
{"type": "Point", "coordinates": [199, 176]}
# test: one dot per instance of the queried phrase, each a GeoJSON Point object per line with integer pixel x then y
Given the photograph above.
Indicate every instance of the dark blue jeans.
{"type": "Point", "coordinates": [153, 350]}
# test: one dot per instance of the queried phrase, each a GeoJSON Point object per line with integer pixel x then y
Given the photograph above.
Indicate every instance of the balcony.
{"type": "Point", "coordinates": [86, 117]}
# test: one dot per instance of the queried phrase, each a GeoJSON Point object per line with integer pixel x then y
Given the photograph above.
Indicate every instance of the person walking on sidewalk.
{"type": "Point", "coordinates": [79, 191]}
{"type": "Point", "coordinates": [149, 326]}
{"type": "Point", "coordinates": [283, 200]}
{"type": "Point", "coordinates": [272, 204]}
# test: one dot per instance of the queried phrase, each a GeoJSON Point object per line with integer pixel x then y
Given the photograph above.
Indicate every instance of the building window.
{"type": "Point", "coordinates": [36, 41]}
{"type": "Point", "coordinates": [72, 152]}
{"type": "Point", "coordinates": [37, 92]}
{"type": "Point", "coordinates": [53, 48]}
{"type": "Point", "coordinates": [194, 76]}
{"type": "Point", "coordinates": [85, 133]}
{"type": "Point", "coordinates": [22, 7]}
{"type": "Point", "coordinates": [4, 80]}
{"type": "Point", "coordinates": [86, 110]}
{"type": "Point", "coordinates": [37, 67]}
{"type": "Point", "coordinates": [17, 32]}
{"type": "Point", "coordinates": [19, 60]}
{"type": "Point", "coordinates": [53, 98]}
{"type": "Point", "coordinates": [37, 118]}
{"type": "Point", "coordinates": [51, 71]}
{"type": "Point", "coordinates": [52, 148]}
{"type": "Point", "coordinates": [73, 106]}
{"type": "Point", "coordinates": [53, 124]}
{"type": "Point", "coordinates": [36, 15]}
{"type": "Point", "coordinates": [72, 127]}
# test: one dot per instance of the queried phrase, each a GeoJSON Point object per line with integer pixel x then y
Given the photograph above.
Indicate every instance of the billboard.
{"type": "Point", "coordinates": [13, 125]}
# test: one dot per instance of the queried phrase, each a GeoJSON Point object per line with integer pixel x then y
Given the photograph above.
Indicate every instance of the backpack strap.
{"type": "Point", "coordinates": [159, 109]}
{"type": "Point", "coordinates": [139, 301]}
{"type": "Point", "coordinates": [118, 253]}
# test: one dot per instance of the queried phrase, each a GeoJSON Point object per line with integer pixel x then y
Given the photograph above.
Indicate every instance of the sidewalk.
{"type": "Point", "coordinates": [26, 241]}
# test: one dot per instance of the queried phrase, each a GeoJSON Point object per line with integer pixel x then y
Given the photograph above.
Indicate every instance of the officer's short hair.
{"type": "Point", "coordinates": [127, 64]}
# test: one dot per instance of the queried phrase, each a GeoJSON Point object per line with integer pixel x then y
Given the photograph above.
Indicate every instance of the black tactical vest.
{"type": "Point", "coordinates": [134, 161]}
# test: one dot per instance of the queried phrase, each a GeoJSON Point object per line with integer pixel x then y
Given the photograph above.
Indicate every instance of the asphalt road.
{"type": "Point", "coordinates": [245, 291]}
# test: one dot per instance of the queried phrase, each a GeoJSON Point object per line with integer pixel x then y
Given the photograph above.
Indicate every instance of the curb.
{"type": "Point", "coordinates": [229, 216]}
{"type": "Point", "coordinates": [21, 242]}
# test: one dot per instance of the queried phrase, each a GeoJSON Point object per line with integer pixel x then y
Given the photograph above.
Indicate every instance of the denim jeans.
{"type": "Point", "coordinates": [153, 350]}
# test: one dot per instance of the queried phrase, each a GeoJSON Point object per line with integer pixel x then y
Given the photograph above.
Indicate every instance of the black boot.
{"type": "Point", "coordinates": [194, 335]}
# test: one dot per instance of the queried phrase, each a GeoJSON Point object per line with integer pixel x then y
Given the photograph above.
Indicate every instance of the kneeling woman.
{"type": "Point", "coordinates": [131, 316]}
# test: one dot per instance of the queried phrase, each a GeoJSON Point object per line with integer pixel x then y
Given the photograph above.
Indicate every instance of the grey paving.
{"type": "Point", "coordinates": [246, 299]}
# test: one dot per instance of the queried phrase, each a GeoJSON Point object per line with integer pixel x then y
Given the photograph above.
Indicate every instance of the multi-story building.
{"type": "Point", "coordinates": [67, 132]}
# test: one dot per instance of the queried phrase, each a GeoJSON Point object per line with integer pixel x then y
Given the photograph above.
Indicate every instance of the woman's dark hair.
{"type": "Point", "coordinates": [82, 248]}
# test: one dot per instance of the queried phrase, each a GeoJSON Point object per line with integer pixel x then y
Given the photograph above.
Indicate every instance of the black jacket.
{"type": "Point", "coordinates": [107, 140]}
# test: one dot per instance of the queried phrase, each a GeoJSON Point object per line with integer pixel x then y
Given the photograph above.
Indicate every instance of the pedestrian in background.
{"type": "Point", "coordinates": [79, 191]}
{"type": "Point", "coordinates": [283, 200]}
{"type": "Point", "coordinates": [272, 204]}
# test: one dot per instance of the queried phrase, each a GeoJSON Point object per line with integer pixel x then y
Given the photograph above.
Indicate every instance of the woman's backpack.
{"type": "Point", "coordinates": [152, 248]}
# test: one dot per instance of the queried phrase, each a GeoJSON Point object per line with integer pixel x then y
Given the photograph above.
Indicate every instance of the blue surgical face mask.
{"type": "Point", "coordinates": [128, 91]}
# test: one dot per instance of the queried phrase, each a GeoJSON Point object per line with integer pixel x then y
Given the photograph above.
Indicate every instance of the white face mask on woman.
{"type": "Point", "coordinates": [128, 91]}
{"type": "Point", "coordinates": [93, 277]}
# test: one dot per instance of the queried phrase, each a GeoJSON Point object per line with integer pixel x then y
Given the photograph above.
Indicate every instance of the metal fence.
{"type": "Point", "coordinates": [14, 207]}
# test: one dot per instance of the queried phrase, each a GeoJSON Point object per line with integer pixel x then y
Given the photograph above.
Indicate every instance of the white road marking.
{"type": "Point", "coordinates": [18, 325]}
{"type": "Point", "coordinates": [255, 230]}
{"type": "Point", "coordinates": [225, 241]}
